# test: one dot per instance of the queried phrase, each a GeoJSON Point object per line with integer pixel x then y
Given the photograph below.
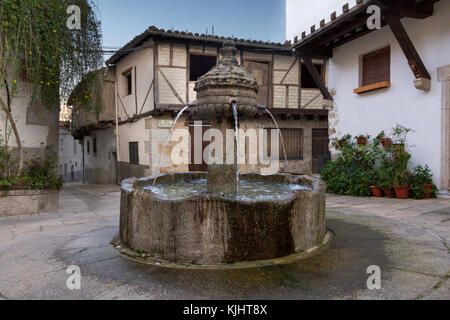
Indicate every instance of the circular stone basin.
{"type": "Point", "coordinates": [177, 221]}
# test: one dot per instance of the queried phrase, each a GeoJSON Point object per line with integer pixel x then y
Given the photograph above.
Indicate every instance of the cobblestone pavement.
{"type": "Point", "coordinates": [408, 239]}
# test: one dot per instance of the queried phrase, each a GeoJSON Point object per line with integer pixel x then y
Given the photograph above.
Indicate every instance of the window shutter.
{"type": "Point", "coordinates": [376, 67]}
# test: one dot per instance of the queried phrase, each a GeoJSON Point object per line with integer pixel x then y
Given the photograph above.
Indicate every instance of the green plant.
{"type": "Point", "coordinates": [343, 142]}
{"type": "Point", "coordinates": [41, 177]}
{"type": "Point", "coordinates": [353, 172]}
{"type": "Point", "coordinates": [421, 177]}
{"type": "Point", "coordinates": [400, 134]}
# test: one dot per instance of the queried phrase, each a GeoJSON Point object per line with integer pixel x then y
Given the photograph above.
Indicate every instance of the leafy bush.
{"type": "Point", "coordinates": [353, 172]}
{"type": "Point", "coordinates": [360, 166]}
{"type": "Point", "coordinates": [420, 178]}
{"type": "Point", "coordinates": [36, 176]}
{"type": "Point", "coordinates": [41, 177]}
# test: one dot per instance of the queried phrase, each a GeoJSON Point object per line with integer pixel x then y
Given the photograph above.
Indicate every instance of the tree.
{"type": "Point", "coordinates": [41, 56]}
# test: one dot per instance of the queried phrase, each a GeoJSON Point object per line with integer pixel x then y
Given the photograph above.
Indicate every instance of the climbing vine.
{"type": "Point", "coordinates": [42, 57]}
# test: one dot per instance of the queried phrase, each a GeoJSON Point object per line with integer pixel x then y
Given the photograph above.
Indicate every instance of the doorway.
{"type": "Point", "coordinates": [320, 149]}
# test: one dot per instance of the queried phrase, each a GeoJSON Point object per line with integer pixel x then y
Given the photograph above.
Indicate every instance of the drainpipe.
{"type": "Point", "coordinates": [84, 176]}
{"type": "Point", "coordinates": [117, 129]}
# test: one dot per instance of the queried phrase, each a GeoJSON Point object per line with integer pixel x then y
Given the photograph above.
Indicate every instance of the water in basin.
{"type": "Point", "coordinates": [248, 190]}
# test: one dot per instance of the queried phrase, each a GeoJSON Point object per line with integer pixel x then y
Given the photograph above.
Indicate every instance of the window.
{"type": "Point", "coordinates": [128, 82]}
{"type": "Point", "coordinates": [88, 147]}
{"type": "Point", "coordinates": [94, 145]}
{"type": "Point", "coordinates": [134, 152]}
{"type": "Point", "coordinates": [199, 65]}
{"type": "Point", "coordinates": [75, 146]}
{"type": "Point", "coordinates": [293, 141]}
{"type": "Point", "coordinates": [307, 79]}
{"type": "Point", "coordinates": [376, 67]}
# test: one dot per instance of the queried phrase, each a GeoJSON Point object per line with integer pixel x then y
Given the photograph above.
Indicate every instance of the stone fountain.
{"type": "Point", "coordinates": [222, 218]}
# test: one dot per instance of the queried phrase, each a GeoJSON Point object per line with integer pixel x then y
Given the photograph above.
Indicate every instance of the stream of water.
{"type": "Point", "coordinates": [170, 136]}
{"type": "Point", "coordinates": [236, 136]}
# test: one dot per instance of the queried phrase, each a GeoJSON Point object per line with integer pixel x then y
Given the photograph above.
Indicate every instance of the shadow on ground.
{"type": "Point", "coordinates": [339, 272]}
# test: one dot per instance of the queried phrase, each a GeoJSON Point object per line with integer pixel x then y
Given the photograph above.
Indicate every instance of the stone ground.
{"type": "Point", "coordinates": [409, 241]}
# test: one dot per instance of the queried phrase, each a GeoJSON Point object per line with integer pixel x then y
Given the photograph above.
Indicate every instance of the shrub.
{"type": "Point", "coordinates": [36, 176]}
{"type": "Point", "coordinates": [352, 173]}
{"type": "Point", "coordinates": [420, 178]}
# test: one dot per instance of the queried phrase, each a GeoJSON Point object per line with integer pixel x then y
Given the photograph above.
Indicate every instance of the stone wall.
{"type": "Point", "coordinates": [14, 203]}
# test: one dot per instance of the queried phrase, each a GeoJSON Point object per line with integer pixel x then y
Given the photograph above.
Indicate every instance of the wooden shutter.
{"type": "Point", "coordinates": [376, 67]}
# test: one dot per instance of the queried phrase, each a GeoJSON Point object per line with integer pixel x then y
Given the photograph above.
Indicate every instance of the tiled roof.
{"type": "Point", "coordinates": [175, 35]}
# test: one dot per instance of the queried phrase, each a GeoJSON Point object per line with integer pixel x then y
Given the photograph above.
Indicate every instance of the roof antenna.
{"type": "Point", "coordinates": [206, 30]}
{"type": "Point", "coordinates": [213, 30]}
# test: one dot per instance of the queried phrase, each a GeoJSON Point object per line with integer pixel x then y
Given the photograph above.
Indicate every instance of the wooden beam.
{"type": "Point", "coordinates": [314, 52]}
{"type": "Point", "coordinates": [415, 62]}
{"type": "Point", "coordinates": [409, 9]}
{"type": "Point", "coordinates": [318, 80]}
{"type": "Point", "coordinates": [348, 29]}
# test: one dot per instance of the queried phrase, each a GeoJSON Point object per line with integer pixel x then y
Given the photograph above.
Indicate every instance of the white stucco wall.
{"type": "Point", "coordinates": [402, 103]}
{"type": "Point", "coordinates": [134, 132]}
{"type": "Point", "coordinates": [32, 136]}
{"type": "Point", "coordinates": [141, 62]}
{"type": "Point", "coordinates": [38, 133]}
{"type": "Point", "coordinates": [100, 167]}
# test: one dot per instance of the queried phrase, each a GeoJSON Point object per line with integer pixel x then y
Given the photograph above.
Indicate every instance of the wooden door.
{"type": "Point", "coordinates": [260, 70]}
{"type": "Point", "coordinates": [195, 140]}
{"type": "Point", "coordinates": [320, 149]}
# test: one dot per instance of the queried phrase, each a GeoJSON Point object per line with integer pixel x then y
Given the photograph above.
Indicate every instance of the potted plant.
{"type": "Point", "coordinates": [422, 182]}
{"type": "Point", "coordinates": [362, 140]}
{"type": "Point", "coordinates": [387, 182]}
{"type": "Point", "coordinates": [386, 142]}
{"type": "Point", "coordinates": [375, 187]}
{"type": "Point", "coordinates": [400, 134]}
{"type": "Point", "coordinates": [401, 174]}
{"type": "Point", "coordinates": [339, 144]}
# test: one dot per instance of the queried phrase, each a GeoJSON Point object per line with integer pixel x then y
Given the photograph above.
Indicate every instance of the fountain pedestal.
{"type": "Point", "coordinates": [225, 86]}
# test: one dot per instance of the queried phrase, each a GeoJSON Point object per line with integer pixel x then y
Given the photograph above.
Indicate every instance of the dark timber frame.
{"type": "Point", "coordinates": [352, 25]}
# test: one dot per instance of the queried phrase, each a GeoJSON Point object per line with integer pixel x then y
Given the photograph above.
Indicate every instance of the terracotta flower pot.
{"type": "Point", "coordinates": [377, 192]}
{"type": "Point", "coordinates": [428, 188]}
{"type": "Point", "coordinates": [388, 193]}
{"type": "Point", "coordinates": [401, 192]}
{"type": "Point", "coordinates": [386, 142]}
{"type": "Point", "coordinates": [361, 141]}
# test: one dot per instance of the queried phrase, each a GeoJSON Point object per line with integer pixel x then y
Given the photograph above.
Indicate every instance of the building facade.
{"type": "Point", "coordinates": [155, 76]}
{"type": "Point", "coordinates": [95, 131]}
{"type": "Point", "coordinates": [398, 74]}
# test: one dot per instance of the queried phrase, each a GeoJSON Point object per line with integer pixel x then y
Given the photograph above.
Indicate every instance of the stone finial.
{"type": "Point", "coordinates": [228, 53]}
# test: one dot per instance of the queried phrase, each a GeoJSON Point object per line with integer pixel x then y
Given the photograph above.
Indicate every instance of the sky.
{"type": "Point", "coordinates": [122, 20]}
